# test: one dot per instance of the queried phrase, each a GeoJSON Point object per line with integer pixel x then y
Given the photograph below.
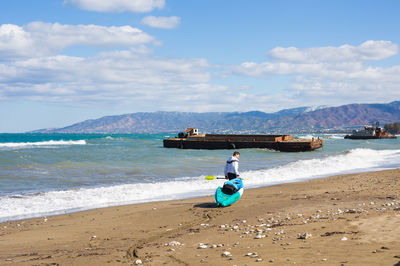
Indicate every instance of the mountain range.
{"type": "Point", "coordinates": [295, 120]}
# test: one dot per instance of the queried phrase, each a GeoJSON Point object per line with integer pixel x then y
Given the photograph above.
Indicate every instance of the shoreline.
{"type": "Point", "coordinates": [345, 219]}
{"type": "Point", "coordinates": [161, 199]}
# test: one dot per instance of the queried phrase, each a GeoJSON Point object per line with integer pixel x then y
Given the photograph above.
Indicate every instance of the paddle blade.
{"type": "Point", "coordinates": [210, 177]}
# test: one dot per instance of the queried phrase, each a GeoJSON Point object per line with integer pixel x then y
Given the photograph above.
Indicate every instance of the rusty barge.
{"type": "Point", "coordinates": [190, 139]}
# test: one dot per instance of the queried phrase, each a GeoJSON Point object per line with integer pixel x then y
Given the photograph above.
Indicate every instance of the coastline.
{"type": "Point", "coordinates": [346, 219]}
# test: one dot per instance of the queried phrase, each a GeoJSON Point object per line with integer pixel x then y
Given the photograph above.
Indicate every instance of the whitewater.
{"type": "Point", "coordinates": [69, 173]}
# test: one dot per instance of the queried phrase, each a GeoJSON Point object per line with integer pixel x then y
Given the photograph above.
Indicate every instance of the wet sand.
{"type": "Point", "coordinates": [347, 219]}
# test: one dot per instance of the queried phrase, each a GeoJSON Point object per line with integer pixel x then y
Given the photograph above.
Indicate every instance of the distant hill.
{"type": "Point", "coordinates": [302, 119]}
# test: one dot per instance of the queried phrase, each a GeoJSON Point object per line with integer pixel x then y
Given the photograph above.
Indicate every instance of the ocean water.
{"type": "Point", "coordinates": [47, 174]}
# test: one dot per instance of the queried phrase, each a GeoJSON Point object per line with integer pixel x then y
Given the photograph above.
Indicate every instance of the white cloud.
{"type": "Point", "coordinates": [161, 22]}
{"type": "Point", "coordinates": [119, 76]}
{"type": "Point", "coordinates": [369, 50]}
{"type": "Point", "coordinates": [14, 40]}
{"type": "Point", "coordinates": [332, 75]}
{"type": "Point", "coordinates": [40, 39]}
{"type": "Point", "coordinates": [136, 6]}
{"type": "Point", "coordinates": [31, 68]}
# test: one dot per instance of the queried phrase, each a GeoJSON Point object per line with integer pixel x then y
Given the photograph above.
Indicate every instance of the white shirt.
{"type": "Point", "coordinates": [232, 166]}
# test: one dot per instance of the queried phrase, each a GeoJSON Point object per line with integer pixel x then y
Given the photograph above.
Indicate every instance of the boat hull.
{"type": "Point", "coordinates": [223, 200]}
{"type": "Point", "coordinates": [285, 146]}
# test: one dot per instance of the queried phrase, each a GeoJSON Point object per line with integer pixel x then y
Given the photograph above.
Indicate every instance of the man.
{"type": "Point", "coordinates": [231, 169]}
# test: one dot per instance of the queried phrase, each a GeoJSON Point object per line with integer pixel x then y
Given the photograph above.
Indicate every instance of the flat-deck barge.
{"type": "Point", "coordinates": [285, 143]}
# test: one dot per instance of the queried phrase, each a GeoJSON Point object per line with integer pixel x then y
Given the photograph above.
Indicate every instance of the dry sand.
{"type": "Point", "coordinates": [347, 219]}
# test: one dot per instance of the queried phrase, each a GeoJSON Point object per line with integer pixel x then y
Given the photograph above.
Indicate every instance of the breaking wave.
{"type": "Point", "coordinates": [42, 143]}
{"type": "Point", "coordinates": [14, 207]}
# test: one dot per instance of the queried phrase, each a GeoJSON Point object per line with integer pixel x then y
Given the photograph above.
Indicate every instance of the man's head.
{"type": "Point", "coordinates": [236, 154]}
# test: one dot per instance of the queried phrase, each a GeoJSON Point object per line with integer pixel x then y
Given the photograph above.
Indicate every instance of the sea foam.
{"type": "Point", "coordinates": [42, 143]}
{"type": "Point", "coordinates": [58, 202]}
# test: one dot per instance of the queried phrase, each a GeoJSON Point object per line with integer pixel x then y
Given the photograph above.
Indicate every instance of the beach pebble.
{"type": "Point", "coordinates": [344, 238]}
{"type": "Point", "coordinates": [226, 254]}
{"type": "Point", "coordinates": [213, 246]}
{"type": "Point", "coordinates": [174, 243]}
{"type": "Point", "coordinates": [259, 236]}
{"type": "Point", "coordinates": [244, 221]}
{"type": "Point", "coordinates": [220, 245]}
{"type": "Point", "coordinates": [93, 238]}
{"type": "Point", "coordinates": [201, 246]}
{"type": "Point", "coordinates": [259, 260]}
{"type": "Point", "coordinates": [171, 250]}
{"type": "Point", "coordinates": [304, 236]}
{"type": "Point", "coordinates": [138, 262]}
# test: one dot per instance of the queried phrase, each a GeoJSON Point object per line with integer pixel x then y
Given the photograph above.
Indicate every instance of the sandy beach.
{"type": "Point", "coordinates": [341, 220]}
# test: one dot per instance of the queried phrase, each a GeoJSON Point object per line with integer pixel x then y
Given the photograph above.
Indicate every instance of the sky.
{"type": "Point", "coordinates": [66, 61]}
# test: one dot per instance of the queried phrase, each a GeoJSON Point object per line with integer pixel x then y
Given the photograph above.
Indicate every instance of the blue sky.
{"type": "Point", "coordinates": [65, 61]}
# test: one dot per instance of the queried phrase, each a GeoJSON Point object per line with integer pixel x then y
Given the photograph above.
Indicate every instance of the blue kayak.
{"type": "Point", "coordinates": [229, 193]}
{"type": "Point", "coordinates": [224, 200]}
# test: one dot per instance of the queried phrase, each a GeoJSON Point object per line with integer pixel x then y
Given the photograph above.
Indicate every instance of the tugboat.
{"type": "Point", "coordinates": [191, 139]}
{"type": "Point", "coordinates": [370, 132]}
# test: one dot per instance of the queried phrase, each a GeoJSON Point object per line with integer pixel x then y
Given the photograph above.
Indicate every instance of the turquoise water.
{"type": "Point", "coordinates": [69, 172]}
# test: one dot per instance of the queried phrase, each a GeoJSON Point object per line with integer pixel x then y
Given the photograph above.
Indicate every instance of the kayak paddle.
{"type": "Point", "coordinates": [211, 177]}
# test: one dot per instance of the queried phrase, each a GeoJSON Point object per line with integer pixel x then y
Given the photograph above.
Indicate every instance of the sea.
{"type": "Point", "coordinates": [50, 174]}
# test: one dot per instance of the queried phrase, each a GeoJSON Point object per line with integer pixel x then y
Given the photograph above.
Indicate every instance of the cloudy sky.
{"type": "Point", "coordinates": [65, 61]}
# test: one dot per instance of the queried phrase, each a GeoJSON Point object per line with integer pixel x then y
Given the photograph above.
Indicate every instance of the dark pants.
{"type": "Point", "coordinates": [230, 176]}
